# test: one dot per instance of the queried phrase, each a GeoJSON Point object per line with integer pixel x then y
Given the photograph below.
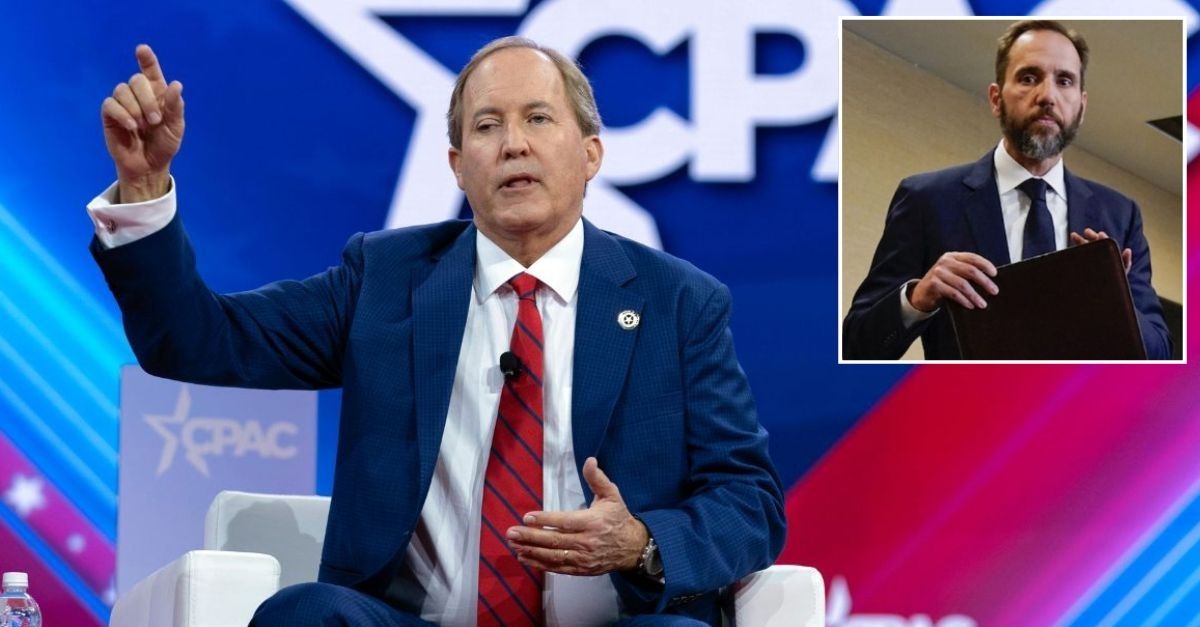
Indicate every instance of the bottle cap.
{"type": "Point", "coordinates": [16, 579]}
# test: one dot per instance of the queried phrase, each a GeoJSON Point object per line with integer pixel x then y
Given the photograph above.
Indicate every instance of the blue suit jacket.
{"type": "Point", "coordinates": [665, 408]}
{"type": "Point", "coordinates": [958, 209]}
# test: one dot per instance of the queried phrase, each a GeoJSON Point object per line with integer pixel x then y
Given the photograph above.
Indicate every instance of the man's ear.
{"type": "Point", "coordinates": [595, 154]}
{"type": "Point", "coordinates": [1082, 106]}
{"type": "Point", "coordinates": [455, 159]}
{"type": "Point", "coordinates": [994, 99]}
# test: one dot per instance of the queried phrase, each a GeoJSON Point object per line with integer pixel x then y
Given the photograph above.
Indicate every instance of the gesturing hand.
{"type": "Point", "coordinates": [1090, 235]}
{"type": "Point", "coordinates": [951, 278]}
{"type": "Point", "coordinates": [143, 129]}
{"type": "Point", "coordinates": [598, 540]}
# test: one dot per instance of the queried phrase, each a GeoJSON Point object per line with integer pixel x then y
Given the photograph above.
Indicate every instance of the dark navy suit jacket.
{"type": "Point", "coordinates": [665, 407]}
{"type": "Point", "coordinates": [958, 209]}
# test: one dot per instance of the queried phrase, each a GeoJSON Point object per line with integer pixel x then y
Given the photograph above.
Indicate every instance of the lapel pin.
{"type": "Point", "coordinates": [629, 319]}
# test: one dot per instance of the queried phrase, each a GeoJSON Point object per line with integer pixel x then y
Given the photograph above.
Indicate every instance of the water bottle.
{"type": "Point", "coordinates": [19, 609]}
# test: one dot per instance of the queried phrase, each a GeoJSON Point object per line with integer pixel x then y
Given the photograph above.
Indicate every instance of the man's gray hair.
{"type": "Point", "coordinates": [579, 90]}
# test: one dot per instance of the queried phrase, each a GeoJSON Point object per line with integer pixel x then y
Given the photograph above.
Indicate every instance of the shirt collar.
{"type": "Point", "coordinates": [1010, 174]}
{"type": "Point", "coordinates": [558, 269]}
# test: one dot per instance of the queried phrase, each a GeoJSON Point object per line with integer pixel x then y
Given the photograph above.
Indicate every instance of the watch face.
{"type": "Point", "coordinates": [654, 565]}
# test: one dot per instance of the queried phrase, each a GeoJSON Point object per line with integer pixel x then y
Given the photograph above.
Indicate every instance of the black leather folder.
{"type": "Point", "coordinates": [1073, 304]}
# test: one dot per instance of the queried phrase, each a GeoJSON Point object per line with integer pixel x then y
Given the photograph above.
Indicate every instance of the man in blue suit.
{"type": "Point", "coordinates": [634, 374]}
{"type": "Point", "coordinates": [947, 231]}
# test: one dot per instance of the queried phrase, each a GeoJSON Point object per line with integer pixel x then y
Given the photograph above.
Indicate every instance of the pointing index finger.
{"type": "Point", "coordinates": [149, 64]}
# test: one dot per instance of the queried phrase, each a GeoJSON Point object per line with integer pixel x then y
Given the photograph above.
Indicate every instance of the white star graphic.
{"type": "Point", "coordinates": [159, 423]}
{"type": "Point", "coordinates": [25, 495]}
{"type": "Point", "coordinates": [425, 189]}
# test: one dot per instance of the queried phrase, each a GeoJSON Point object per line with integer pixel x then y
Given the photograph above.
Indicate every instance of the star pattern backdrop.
{"type": "Point", "coordinates": [1063, 503]}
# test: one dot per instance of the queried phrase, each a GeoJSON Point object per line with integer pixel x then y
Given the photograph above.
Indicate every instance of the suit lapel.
{"type": "Point", "coordinates": [981, 202]}
{"type": "Point", "coordinates": [440, 304]}
{"type": "Point", "coordinates": [1081, 213]}
{"type": "Point", "coordinates": [602, 348]}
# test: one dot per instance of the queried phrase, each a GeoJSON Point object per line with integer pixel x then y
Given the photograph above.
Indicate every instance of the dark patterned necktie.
{"type": "Point", "coordinates": [1039, 226]}
{"type": "Point", "coordinates": [510, 593]}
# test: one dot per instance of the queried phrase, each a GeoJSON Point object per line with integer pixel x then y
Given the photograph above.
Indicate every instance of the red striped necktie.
{"type": "Point", "coordinates": [510, 593]}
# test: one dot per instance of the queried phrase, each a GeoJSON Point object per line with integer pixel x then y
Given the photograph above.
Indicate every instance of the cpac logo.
{"type": "Point", "coordinates": [207, 437]}
{"type": "Point", "coordinates": [728, 100]}
{"type": "Point", "coordinates": [838, 613]}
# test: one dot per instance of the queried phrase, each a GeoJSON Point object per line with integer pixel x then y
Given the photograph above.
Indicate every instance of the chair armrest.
{"type": "Point", "coordinates": [200, 589]}
{"type": "Point", "coordinates": [779, 596]}
{"type": "Point", "coordinates": [275, 512]}
{"type": "Point", "coordinates": [289, 527]}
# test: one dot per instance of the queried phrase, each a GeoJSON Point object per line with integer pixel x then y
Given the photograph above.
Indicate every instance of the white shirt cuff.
{"type": "Point", "coordinates": [118, 224]}
{"type": "Point", "coordinates": [910, 315]}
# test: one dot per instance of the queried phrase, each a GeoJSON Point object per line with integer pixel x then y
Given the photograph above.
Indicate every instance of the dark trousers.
{"type": "Point", "coordinates": [327, 605]}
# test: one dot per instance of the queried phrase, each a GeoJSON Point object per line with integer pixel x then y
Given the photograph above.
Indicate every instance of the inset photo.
{"type": "Point", "coordinates": [1012, 190]}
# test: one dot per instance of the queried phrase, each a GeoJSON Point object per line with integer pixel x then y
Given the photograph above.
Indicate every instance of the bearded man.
{"type": "Point", "coordinates": [947, 231]}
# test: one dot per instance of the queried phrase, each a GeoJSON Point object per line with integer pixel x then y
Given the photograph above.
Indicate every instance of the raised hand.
{"type": "Point", "coordinates": [143, 129]}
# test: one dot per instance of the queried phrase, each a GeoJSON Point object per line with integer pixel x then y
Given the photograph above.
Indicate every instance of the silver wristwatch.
{"type": "Point", "coordinates": [650, 563]}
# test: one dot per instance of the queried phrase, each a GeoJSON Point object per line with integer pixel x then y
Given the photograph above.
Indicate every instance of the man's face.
{"type": "Point", "coordinates": [1042, 101]}
{"type": "Point", "coordinates": [524, 161]}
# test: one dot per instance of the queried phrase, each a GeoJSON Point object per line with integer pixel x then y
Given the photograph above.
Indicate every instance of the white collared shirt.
{"type": "Point", "coordinates": [1014, 205]}
{"type": "Point", "coordinates": [443, 554]}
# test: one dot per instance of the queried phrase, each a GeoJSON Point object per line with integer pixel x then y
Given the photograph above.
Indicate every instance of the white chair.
{"type": "Point", "coordinates": [254, 544]}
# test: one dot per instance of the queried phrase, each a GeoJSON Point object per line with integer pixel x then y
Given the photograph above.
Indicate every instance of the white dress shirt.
{"type": "Point", "coordinates": [443, 554]}
{"type": "Point", "coordinates": [1014, 205]}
